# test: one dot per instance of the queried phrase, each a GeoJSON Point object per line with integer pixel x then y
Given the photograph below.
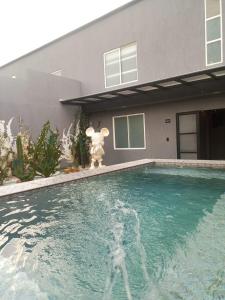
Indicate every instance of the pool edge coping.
{"type": "Point", "coordinates": [16, 188]}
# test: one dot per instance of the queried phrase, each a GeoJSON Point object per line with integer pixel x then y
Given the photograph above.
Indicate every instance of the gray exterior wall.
{"type": "Point", "coordinates": [157, 131]}
{"type": "Point", "coordinates": [36, 99]}
{"type": "Point", "coordinates": [170, 36]}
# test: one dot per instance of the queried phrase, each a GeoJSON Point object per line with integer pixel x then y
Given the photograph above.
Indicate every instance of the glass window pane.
{"type": "Point", "coordinates": [128, 51]}
{"type": "Point", "coordinates": [121, 132]}
{"type": "Point", "coordinates": [187, 123]}
{"type": "Point", "coordinates": [212, 8]}
{"type": "Point", "coordinates": [112, 56]}
{"type": "Point", "coordinates": [188, 143]}
{"type": "Point", "coordinates": [112, 68]}
{"type": "Point", "coordinates": [112, 80]}
{"type": "Point", "coordinates": [129, 63]}
{"type": "Point", "coordinates": [214, 52]}
{"type": "Point", "coordinates": [213, 29]}
{"type": "Point", "coordinates": [136, 131]}
{"type": "Point", "coordinates": [128, 77]}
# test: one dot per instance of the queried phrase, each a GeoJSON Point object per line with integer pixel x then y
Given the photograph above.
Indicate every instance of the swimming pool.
{"type": "Point", "coordinates": [145, 233]}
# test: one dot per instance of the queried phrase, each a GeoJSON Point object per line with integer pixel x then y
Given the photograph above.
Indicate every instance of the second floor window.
{"type": "Point", "coordinates": [121, 65]}
{"type": "Point", "coordinates": [213, 29]}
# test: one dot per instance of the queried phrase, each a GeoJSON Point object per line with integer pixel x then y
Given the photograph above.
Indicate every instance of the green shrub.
{"type": "Point", "coordinates": [46, 152]}
{"type": "Point", "coordinates": [21, 167]}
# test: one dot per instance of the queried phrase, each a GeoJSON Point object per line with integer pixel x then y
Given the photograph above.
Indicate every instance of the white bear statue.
{"type": "Point", "coordinates": [97, 143]}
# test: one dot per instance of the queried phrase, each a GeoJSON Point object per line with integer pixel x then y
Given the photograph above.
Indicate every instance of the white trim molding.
{"type": "Point", "coordinates": [128, 131]}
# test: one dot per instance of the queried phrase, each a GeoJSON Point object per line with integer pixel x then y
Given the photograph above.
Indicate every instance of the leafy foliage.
{"type": "Point", "coordinates": [6, 150]}
{"type": "Point", "coordinates": [80, 146]}
{"type": "Point", "coordinates": [46, 152]}
{"type": "Point", "coordinates": [4, 168]}
{"type": "Point", "coordinates": [21, 165]}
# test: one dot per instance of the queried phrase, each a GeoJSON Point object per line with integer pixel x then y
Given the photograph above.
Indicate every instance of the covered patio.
{"type": "Point", "coordinates": [200, 84]}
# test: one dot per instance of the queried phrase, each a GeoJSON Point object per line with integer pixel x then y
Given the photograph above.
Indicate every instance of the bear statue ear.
{"type": "Point", "coordinates": [104, 131]}
{"type": "Point", "coordinates": [90, 131]}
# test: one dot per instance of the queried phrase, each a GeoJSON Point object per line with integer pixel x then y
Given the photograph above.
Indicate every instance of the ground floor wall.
{"type": "Point", "coordinates": [160, 127]}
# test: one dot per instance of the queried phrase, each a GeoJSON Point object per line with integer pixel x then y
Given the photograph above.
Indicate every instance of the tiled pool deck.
{"type": "Point", "coordinates": [59, 179]}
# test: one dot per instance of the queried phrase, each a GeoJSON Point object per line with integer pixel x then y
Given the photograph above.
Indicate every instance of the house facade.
{"type": "Point", "coordinates": [151, 71]}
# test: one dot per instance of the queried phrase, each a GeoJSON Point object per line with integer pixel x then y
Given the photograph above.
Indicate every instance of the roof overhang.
{"type": "Point", "coordinates": [198, 84]}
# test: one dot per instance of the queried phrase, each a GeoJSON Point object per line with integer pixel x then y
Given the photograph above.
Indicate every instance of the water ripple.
{"type": "Point", "coordinates": [116, 236]}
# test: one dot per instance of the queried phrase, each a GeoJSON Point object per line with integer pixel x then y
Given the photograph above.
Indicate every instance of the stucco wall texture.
{"type": "Point", "coordinates": [35, 99]}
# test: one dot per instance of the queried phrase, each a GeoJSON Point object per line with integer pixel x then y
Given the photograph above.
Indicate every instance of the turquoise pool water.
{"type": "Point", "coordinates": [147, 233]}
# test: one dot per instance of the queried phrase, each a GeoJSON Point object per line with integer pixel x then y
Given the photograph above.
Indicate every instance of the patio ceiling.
{"type": "Point", "coordinates": [198, 84]}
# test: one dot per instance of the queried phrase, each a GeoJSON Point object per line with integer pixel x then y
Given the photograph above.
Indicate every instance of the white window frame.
{"type": "Point", "coordinates": [216, 40]}
{"type": "Point", "coordinates": [119, 49]}
{"type": "Point", "coordinates": [128, 132]}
